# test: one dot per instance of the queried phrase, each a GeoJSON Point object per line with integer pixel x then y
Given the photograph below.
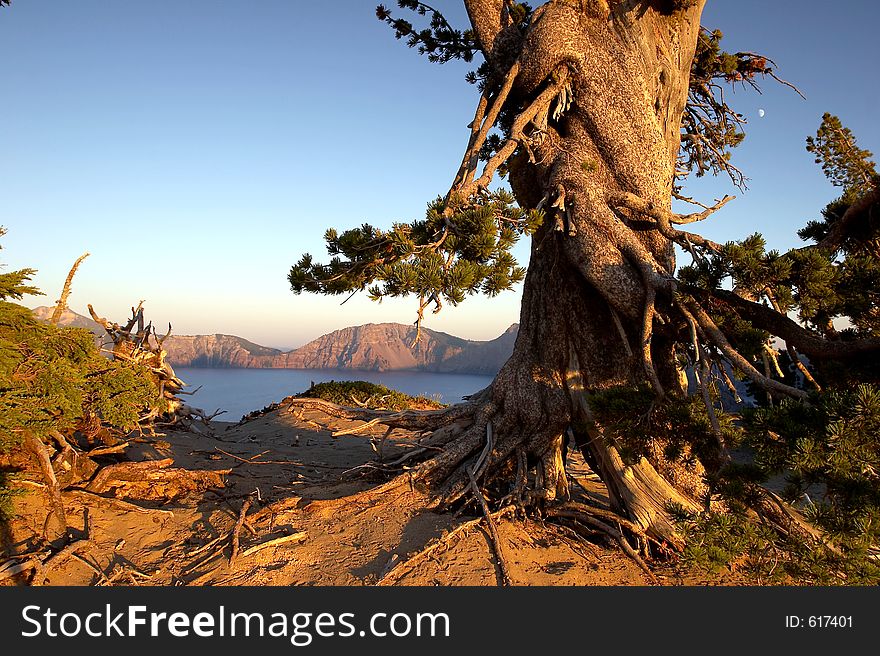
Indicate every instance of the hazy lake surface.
{"type": "Point", "coordinates": [239, 391]}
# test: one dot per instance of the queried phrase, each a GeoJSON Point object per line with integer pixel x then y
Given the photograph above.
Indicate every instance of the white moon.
{"type": "Point", "coordinates": [761, 113]}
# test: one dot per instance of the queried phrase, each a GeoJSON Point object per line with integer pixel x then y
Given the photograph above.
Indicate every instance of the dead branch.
{"type": "Point", "coordinates": [683, 219]}
{"type": "Point", "coordinates": [54, 561]}
{"type": "Point", "coordinates": [396, 572]}
{"type": "Point", "coordinates": [41, 454]}
{"type": "Point", "coordinates": [664, 219]}
{"type": "Point", "coordinates": [254, 461]}
{"type": "Point", "coordinates": [106, 450]}
{"type": "Point", "coordinates": [357, 429]}
{"type": "Point", "coordinates": [11, 568]}
{"type": "Point", "coordinates": [796, 360]}
{"type": "Point", "coordinates": [300, 535]}
{"type": "Point", "coordinates": [517, 135]}
{"type": "Point", "coordinates": [61, 305]}
{"type": "Point", "coordinates": [126, 471]}
{"type": "Point", "coordinates": [621, 331]}
{"type": "Point", "coordinates": [417, 420]}
{"type": "Point", "coordinates": [236, 533]}
{"type": "Point", "coordinates": [471, 156]}
{"type": "Point", "coordinates": [707, 325]}
{"type": "Point", "coordinates": [101, 576]}
{"type": "Point", "coordinates": [208, 545]}
{"type": "Point", "coordinates": [702, 375]}
{"type": "Point", "coordinates": [119, 503]}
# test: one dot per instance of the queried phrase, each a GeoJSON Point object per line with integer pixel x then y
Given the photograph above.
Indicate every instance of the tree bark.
{"type": "Point", "coordinates": [628, 75]}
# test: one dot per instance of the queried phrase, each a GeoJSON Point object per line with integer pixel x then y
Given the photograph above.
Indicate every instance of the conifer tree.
{"type": "Point", "coordinates": [56, 389]}
{"type": "Point", "coordinates": [594, 112]}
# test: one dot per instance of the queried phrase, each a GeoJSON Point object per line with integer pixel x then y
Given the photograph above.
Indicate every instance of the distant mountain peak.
{"type": "Point", "coordinates": [370, 346]}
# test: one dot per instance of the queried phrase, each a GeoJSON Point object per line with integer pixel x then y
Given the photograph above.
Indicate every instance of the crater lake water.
{"type": "Point", "coordinates": [240, 391]}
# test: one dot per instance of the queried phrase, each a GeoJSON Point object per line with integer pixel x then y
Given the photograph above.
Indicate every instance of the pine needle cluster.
{"type": "Point", "coordinates": [458, 249]}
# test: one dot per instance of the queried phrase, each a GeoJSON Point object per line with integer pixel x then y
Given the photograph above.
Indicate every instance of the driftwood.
{"type": "Point", "coordinates": [11, 568]}
{"type": "Point", "coordinates": [41, 454]}
{"type": "Point", "coordinates": [300, 535]}
{"type": "Point", "coordinates": [157, 479]}
{"type": "Point", "coordinates": [399, 570]}
{"type": "Point", "coordinates": [61, 305]}
{"type": "Point", "coordinates": [126, 471]}
{"type": "Point", "coordinates": [236, 533]}
{"type": "Point", "coordinates": [138, 341]}
{"type": "Point", "coordinates": [118, 503]}
{"type": "Point", "coordinates": [44, 568]}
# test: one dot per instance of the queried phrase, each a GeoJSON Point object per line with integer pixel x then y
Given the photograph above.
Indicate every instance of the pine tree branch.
{"type": "Point", "coordinates": [778, 324]}
{"type": "Point", "coordinates": [694, 312]}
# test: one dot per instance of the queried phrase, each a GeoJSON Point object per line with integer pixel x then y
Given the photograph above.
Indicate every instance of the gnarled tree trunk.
{"type": "Point", "coordinates": [597, 278]}
{"type": "Point", "coordinates": [591, 95]}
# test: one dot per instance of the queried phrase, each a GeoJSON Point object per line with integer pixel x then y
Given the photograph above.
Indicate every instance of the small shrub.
{"type": "Point", "coordinates": [363, 393]}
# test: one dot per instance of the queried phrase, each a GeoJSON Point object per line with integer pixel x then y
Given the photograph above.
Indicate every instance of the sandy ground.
{"type": "Point", "coordinates": [300, 528]}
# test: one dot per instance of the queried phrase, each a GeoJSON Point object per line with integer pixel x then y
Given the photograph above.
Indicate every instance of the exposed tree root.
{"type": "Point", "coordinates": [452, 472]}
{"type": "Point", "coordinates": [41, 454]}
{"type": "Point", "coordinates": [44, 568]}
{"type": "Point", "coordinates": [503, 571]}
{"type": "Point", "coordinates": [483, 449]}
{"type": "Point", "coordinates": [398, 571]}
{"type": "Point", "coordinates": [585, 514]}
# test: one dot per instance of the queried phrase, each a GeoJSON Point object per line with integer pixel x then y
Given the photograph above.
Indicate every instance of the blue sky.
{"type": "Point", "coordinates": [197, 148]}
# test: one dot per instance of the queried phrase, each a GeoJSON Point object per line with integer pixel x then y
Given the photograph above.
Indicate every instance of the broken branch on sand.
{"type": "Point", "coordinates": [300, 535]}
{"type": "Point", "coordinates": [396, 572]}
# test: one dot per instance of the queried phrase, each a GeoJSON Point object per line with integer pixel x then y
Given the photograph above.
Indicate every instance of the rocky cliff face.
{"type": "Point", "coordinates": [485, 358]}
{"type": "Point", "coordinates": [377, 347]}
{"type": "Point", "coordinates": [218, 351]}
{"type": "Point", "coordinates": [372, 347]}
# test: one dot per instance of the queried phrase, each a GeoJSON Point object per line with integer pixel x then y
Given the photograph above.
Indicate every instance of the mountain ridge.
{"type": "Point", "coordinates": [367, 347]}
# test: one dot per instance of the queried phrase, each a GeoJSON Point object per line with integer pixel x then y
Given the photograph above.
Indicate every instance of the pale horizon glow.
{"type": "Point", "coordinates": [197, 149]}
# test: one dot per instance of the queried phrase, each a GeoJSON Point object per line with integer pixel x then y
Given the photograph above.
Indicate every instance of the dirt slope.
{"type": "Point", "coordinates": [296, 476]}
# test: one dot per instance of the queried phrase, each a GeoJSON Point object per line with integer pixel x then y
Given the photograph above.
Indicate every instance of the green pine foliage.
{"type": "Point", "coordinates": [439, 41]}
{"type": "Point", "coordinates": [826, 448]}
{"type": "Point", "coordinates": [633, 418]}
{"type": "Point", "coordinates": [458, 249]}
{"type": "Point", "coordinates": [843, 162]}
{"type": "Point", "coordinates": [55, 379]}
{"type": "Point", "coordinates": [735, 541]}
{"type": "Point", "coordinates": [830, 454]}
{"type": "Point", "coordinates": [371, 395]}
{"type": "Point", "coordinates": [839, 277]}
